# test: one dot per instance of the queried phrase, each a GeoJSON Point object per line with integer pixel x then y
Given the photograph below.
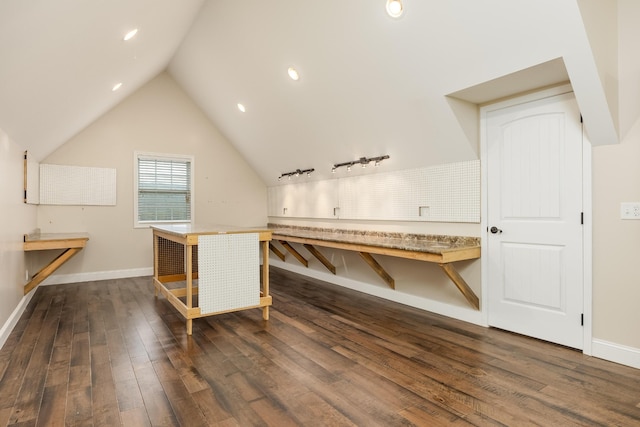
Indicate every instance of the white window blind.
{"type": "Point", "coordinates": [163, 189]}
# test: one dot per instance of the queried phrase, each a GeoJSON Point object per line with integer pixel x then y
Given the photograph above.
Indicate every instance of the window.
{"type": "Point", "coordinates": [163, 189]}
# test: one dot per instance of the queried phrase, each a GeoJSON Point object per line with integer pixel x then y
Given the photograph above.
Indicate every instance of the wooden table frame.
{"type": "Point", "coordinates": [189, 241]}
{"type": "Point", "coordinates": [444, 258]}
{"type": "Point", "coordinates": [72, 243]}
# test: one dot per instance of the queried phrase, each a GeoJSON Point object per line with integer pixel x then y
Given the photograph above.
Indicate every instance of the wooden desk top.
{"type": "Point", "coordinates": [189, 232]}
{"type": "Point", "coordinates": [46, 241]}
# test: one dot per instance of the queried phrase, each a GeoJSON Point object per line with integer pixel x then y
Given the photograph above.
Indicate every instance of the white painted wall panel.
{"type": "Point", "coordinates": [77, 185]}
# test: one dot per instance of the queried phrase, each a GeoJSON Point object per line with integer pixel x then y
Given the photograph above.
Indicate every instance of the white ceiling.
{"type": "Point", "coordinates": [59, 60]}
{"type": "Point", "coordinates": [370, 85]}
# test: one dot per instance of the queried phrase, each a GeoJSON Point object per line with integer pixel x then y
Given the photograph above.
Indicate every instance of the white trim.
{"type": "Point", "coordinates": [484, 209]}
{"type": "Point", "coordinates": [587, 245]}
{"type": "Point", "coordinates": [530, 97]}
{"type": "Point", "coordinates": [586, 201]}
{"type": "Point", "coordinates": [58, 279]}
{"type": "Point", "coordinates": [457, 312]}
{"type": "Point", "coordinates": [12, 321]}
{"type": "Point", "coordinates": [617, 353]}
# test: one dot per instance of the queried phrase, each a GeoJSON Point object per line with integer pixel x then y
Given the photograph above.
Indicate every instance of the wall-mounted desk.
{"type": "Point", "coordinates": [442, 250]}
{"type": "Point", "coordinates": [71, 243]}
{"type": "Point", "coordinates": [225, 262]}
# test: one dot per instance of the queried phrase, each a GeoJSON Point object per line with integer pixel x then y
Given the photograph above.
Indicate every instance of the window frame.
{"type": "Point", "coordinates": [162, 157]}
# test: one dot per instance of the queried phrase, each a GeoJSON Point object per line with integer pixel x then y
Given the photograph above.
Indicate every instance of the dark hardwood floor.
{"type": "Point", "coordinates": [108, 353]}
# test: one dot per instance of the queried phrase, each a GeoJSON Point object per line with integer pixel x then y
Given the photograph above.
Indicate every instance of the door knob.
{"type": "Point", "coordinates": [495, 230]}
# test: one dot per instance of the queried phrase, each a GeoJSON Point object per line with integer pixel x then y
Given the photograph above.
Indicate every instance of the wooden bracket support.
{"type": "Point", "coordinates": [295, 253]}
{"type": "Point", "coordinates": [276, 251]}
{"type": "Point", "coordinates": [378, 269]}
{"type": "Point", "coordinates": [461, 284]}
{"type": "Point", "coordinates": [316, 253]}
{"type": "Point", "coordinates": [48, 270]}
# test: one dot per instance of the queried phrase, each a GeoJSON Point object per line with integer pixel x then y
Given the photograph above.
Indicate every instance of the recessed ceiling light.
{"type": "Point", "coordinates": [116, 86]}
{"type": "Point", "coordinates": [394, 8]}
{"type": "Point", "coordinates": [293, 73]}
{"type": "Point", "coordinates": [130, 34]}
{"type": "Point", "coordinates": [241, 107]}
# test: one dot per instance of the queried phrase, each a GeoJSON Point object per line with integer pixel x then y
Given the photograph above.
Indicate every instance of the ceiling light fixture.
{"type": "Point", "coordinates": [116, 87]}
{"type": "Point", "coordinates": [130, 34]}
{"type": "Point", "coordinates": [395, 8]}
{"type": "Point", "coordinates": [293, 73]}
{"type": "Point", "coordinates": [362, 161]}
{"type": "Point", "coordinates": [296, 173]}
{"type": "Point", "coordinates": [241, 107]}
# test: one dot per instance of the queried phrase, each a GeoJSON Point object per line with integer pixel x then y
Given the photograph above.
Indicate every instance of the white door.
{"type": "Point", "coordinates": [534, 219]}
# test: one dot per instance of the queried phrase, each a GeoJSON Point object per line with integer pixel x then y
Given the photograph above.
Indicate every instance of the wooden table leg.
{"type": "Point", "coordinates": [188, 256]}
{"type": "Point", "coordinates": [155, 262]}
{"type": "Point", "coordinates": [265, 276]}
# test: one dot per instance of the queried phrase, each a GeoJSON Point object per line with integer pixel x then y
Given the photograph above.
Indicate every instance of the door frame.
{"type": "Point", "coordinates": [586, 200]}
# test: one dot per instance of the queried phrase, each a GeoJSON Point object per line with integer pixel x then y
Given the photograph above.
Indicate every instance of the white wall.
{"type": "Point", "coordinates": [616, 242]}
{"type": "Point", "coordinates": [16, 219]}
{"type": "Point", "coordinates": [616, 179]}
{"type": "Point", "coordinates": [157, 118]}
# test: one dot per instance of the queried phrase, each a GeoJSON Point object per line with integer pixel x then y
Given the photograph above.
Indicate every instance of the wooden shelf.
{"type": "Point", "coordinates": [71, 243]}
{"type": "Point", "coordinates": [443, 256]}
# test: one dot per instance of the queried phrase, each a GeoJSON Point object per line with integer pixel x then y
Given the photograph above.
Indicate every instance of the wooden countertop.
{"type": "Point", "coordinates": [45, 241]}
{"type": "Point", "coordinates": [184, 230]}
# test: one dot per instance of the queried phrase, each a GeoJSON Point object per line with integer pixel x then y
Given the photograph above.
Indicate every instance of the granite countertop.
{"type": "Point", "coordinates": [430, 243]}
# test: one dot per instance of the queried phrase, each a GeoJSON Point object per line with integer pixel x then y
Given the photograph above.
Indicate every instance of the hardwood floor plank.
{"type": "Point", "coordinates": [52, 408]}
{"type": "Point", "coordinates": [104, 401]}
{"type": "Point", "coordinates": [135, 417]}
{"type": "Point", "coordinates": [110, 353]}
{"type": "Point", "coordinates": [21, 354]}
{"type": "Point", "coordinates": [187, 412]}
{"type": "Point", "coordinates": [29, 398]}
{"type": "Point", "coordinates": [78, 409]}
{"type": "Point", "coordinates": [273, 415]}
{"type": "Point", "coordinates": [210, 407]}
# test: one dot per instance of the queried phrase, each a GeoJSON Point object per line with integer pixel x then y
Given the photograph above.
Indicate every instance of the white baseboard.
{"type": "Point", "coordinates": [59, 279]}
{"type": "Point", "coordinates": [461, 313]}
{"type": "Point", "coordinates": [617, 353]}
{"type": "Point", "coordinates": [13, 318]}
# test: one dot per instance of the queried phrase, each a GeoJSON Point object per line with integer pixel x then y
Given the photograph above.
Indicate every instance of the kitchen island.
{"type": "Point", "coordinates": [225, 262]}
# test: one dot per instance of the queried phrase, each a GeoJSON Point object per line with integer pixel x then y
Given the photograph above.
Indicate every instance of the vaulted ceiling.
{"type": "Point", "coordinates": [369, 84]}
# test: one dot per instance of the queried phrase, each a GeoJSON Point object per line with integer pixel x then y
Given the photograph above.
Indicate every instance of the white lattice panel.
{"type": "Point", "coordinates": [446, 193]}
{"type": "Point", "coordinates": [453, 192]}
{"type": "Point", "coordinates": [77, 185]}
{"type": "Point", "coordinates": [228, 272]}
{"type": "Point", "coordinates": [313, 199]}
